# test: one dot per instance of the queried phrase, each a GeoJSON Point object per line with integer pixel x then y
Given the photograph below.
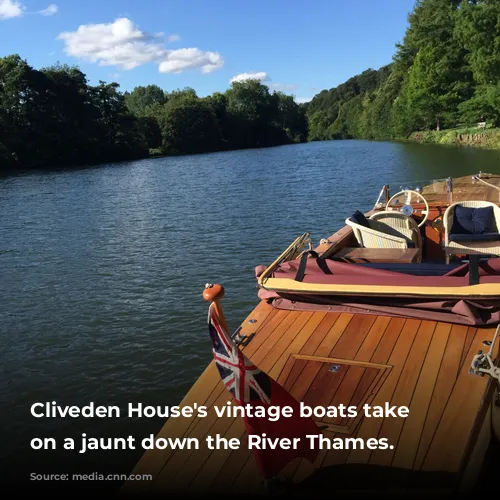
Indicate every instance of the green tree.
{"type": "Point", "coordinates": [252, 115]}
{"type": "Point", "coordinates": [181, 95]}
{"type": "Point", "coordinates": [326, 107]}
{"type": "Point", "coordinates": [439, 78]}
{"type": "Point", "coordinates": [68, 115]}
{"type": "Point", "coordinates": [118, 133]}
{"type": "Point", "coordinates": [377, 119]}
{"type": "Point", "coordinates": [53, 117]}
{"type": "Point", "coordinates": [150, 132]}
{"type": "Point", "coordinates": [190, 126]}
{"type": "Point", "coordinates": [290, 117]}
{"type": "Point", "coordinates": [23, 105]}
{"type": "Point", "coordinates": [484, 105]}
{"type": "Point", "coordinates": [218, 102]}
{"type": "Point", "coordinates": [478, 30]}
{"type": "Point", "coordinates": [141, 98]}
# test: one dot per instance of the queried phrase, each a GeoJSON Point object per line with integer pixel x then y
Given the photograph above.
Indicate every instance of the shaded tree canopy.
{"type": "Point", "coordinates": [142, 99]}
{"type": "Point", "coordinates": [54, 117]}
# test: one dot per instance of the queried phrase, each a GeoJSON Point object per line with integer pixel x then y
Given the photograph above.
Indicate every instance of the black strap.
{"type": "Point", "coordinates": [323, 265]}
{"type": "Point", "coordinates": [301, 271]}
{"type": "Point", "coordinates": [474, 269]}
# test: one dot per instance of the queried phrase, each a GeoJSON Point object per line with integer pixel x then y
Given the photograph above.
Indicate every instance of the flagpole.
{"type": "Point", "coordinates": [214, 294]}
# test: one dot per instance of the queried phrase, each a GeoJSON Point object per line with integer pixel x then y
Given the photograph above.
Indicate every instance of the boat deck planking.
{"type": "Point", "coordinates": [427, 370]}
{"type": "Point", "coordinates": [406, 362]}
{"type": "Point", "coordinates": [464, 188]}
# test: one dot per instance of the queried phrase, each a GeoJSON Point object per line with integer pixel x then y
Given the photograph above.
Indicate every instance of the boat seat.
{"type": "Point", "coordinates": [472, 228]}
{"type": "Point", "coordinates": [399, 221]}
{"type": "Point", "coordinates": [371, 233]}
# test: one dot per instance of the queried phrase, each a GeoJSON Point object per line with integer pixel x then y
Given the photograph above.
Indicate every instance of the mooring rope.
{"type": "Point", "coordinates": [477, 178]}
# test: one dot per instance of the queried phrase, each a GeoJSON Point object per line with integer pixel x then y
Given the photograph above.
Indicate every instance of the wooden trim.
{"type": "Point", "coordinates": [337, 241]}
{"type": "Point", "coordinates": [300, 241]}
{"type": "Point", "coordinates": [289, 285]}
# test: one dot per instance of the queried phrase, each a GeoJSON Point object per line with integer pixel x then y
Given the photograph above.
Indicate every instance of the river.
{"type": "Point", "coordinates": [102, 270]}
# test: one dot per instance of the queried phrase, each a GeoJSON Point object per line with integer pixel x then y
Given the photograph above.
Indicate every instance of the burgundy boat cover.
{"type": "Point", "coordinates": [476, 312]}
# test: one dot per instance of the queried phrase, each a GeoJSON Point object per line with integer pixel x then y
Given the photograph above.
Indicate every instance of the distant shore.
{"type": "Point", "coordinates": [472, 136]}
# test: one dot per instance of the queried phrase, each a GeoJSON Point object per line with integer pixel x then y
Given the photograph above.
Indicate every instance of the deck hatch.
{"type": "Point", "coordinates": [321, 381]}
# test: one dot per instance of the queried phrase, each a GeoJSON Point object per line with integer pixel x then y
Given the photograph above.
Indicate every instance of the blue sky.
{"type": "Point", "coordinates": [298, 46]}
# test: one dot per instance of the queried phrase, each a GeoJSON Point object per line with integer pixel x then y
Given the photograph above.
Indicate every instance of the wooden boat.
{"type": "Point", "coordinates": [386, 337]}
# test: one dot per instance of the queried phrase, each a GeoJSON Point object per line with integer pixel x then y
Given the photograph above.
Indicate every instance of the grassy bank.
{"type": "Point", "coordinates": [471, 136]}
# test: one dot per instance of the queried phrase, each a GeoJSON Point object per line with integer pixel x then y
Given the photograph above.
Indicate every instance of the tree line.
{"type": "Point", "coordinates": [444, 74]}
{"type": "Point", "coordinates": [54, 117]}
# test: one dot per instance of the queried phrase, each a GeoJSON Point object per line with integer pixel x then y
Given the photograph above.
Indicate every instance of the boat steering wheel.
{"type": "Point", "coordinates": [406, 207]}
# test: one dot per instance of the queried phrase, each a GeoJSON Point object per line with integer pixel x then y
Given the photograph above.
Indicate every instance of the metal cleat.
{"type": "Point", "coordinates": [482, 363]}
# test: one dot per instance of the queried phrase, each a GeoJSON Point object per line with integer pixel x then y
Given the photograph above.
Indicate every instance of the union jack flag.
{"type": "Point", "coordinates": [249, 385]}
{"type": "Point", "coordinates": [240, 376]}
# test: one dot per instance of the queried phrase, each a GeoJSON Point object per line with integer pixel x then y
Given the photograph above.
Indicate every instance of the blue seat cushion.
{"type": "Point", "coordinates": [472, 221]}
{"type": "Point", "coordinates": [474, 237]}
{"type": "Point", "coordinates": [359, 218]}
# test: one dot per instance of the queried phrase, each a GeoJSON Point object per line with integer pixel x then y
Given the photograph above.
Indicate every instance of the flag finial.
{"type": "Point", "coordinates": [213, 293]}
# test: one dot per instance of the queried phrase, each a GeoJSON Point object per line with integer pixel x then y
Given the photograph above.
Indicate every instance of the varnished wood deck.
{"type": "Point", "coordinates": [427, 371]}
{"type": "Point", "coordinates": [464, 188]}
{"type": "Point", "coordinates": [406, 362]}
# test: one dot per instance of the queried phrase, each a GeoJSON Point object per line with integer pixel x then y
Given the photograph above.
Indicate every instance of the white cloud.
{"type": "Point", "coordinates": [177, 61]}
{"type": "Point", "coordinates": [301, 100]}
{"type": "Point", "coordinates": [122, 44]}
{"type": "Point", "coordinates": [115, 44]}
{"type": "Point", "coordinates": [14, 8]}
{"type": "Point", "coordinates": [174, 37]}
{"type": "Point", "coordinates": [49, 11]}
{"type": "Point", "coordinates": [284, 87]}
{"type": "Point", "coordinates": [260, 75]}
{"type": "Point", "coordinates": [114, 76]}
{"type": "Point", "coordinates": [10, 9]}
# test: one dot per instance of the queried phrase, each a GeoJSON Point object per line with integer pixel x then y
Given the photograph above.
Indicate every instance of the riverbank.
{"type": "Point", "coordinates": [471, 136]}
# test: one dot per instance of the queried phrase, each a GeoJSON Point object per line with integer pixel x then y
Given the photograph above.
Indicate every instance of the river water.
{"type": "Point", "coordinates": [102, 270]}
